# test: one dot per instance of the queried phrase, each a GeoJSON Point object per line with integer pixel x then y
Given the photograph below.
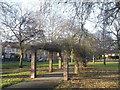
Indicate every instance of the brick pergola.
{"type": "Point", "coordinates": [62, 56]}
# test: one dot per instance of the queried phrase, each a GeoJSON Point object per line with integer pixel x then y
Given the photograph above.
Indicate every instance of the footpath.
{"type": "Point", "coordinates": [50, 80]}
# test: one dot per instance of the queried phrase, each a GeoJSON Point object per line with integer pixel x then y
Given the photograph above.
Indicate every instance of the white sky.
{"type": "Point", "coordinates": [34, 4]}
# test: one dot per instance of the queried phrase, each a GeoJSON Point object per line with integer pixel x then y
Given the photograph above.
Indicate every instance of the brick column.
{"type": "Point", "coordinates": [76, 67]}
{"type": "Point", "coordinates": [59, 60]}
{"type": "Point", "coordinates": [65, 63]}
{"type": "Point", "coordinates": [33, 64]}
{"type": "Point", "coordinates": [50, 61]}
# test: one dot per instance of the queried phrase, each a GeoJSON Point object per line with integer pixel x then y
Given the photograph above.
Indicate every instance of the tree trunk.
{"type": "Point", "coordinates": [119, 54]}
{"type": "Point", "coordinates": [50, 61]}
{"type": "Point", "coordinates": [21, 58]}
{"type": "Point", "coordinates": [1, 51]}
{"type": "Point", "coordinates": [84, 62]}
{"type": "Point", "coordinates": [104, 59]}
{"type": "Point", "coordinates": [33, 64]}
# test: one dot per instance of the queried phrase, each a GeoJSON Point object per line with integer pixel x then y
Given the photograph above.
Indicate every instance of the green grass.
{"type": "Point", "coordinates": [109, 65]}
{"type": "Point", "coordinates": [12, 74]}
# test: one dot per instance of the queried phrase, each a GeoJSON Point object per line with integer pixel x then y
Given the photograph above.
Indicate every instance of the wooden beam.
{"type": "Point", "coordinates": [33, 63]}
{"type": "Point", "coordinates": [50, 61]}
{"type": "Point", "coordinates": [65, 63]}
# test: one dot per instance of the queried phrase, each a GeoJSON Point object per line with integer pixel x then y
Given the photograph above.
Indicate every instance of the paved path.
{"type": "Point", "coordinates": [36, 84]}
{"type": "Point", "coordinates": [50, 80]}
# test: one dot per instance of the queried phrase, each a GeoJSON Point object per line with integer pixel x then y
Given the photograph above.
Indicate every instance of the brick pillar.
{"type": "Point", "coordinates": [65, 63]}
{"type": "Point", "coordinates": [33, 64]}
{"type": "Point", "coordinates": [50, 61]}
{"type": "Point", "coordinates": [60, 60]}
{"type": "Point", "coordinates": [76, 67]}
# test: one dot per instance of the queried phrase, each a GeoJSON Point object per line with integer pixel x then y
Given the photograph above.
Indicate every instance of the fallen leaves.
{"type": "Point", "coordinates": [93, 78]}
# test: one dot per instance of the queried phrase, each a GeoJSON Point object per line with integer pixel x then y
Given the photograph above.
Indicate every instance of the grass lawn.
{"type": "Point", "coordinates": [12, 74]}
{"type": "Point", "coordinates": [95, 75]}
{"type": "Point", "coordinates": [109, 65]}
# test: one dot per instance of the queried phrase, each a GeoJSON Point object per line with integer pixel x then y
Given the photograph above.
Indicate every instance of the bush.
{"type": "Point", "coordinates": [113, 57]}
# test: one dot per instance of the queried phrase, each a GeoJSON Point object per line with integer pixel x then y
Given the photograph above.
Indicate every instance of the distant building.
{"type": "Point", "coordinates": [9, 50]}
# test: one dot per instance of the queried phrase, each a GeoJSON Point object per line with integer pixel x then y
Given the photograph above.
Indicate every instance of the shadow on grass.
{"type": "Point", "coordinates": [101, 74]}
{"type": "Point", "coordinates": [16, 76]}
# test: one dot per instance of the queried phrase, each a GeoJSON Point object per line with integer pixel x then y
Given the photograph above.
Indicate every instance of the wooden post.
{"type": "Point", "coordinates": [33, 64]}
{"type": "Point", "coordinates": [60, 60]}
{"type": "Point", "coordinates": [65, 63]}
{"type": "Point", "coordinates": [50, 61]}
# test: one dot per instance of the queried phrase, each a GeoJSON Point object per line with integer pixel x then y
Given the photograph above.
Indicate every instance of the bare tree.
{"type": "Point", "coordinates": [22, 26]}
{"type": "Point", "coordinates": [82, 13]}
{"type": "Point", "coordinates": [114, 30]}
{"type": "Point", "coordinates": [109, 16]}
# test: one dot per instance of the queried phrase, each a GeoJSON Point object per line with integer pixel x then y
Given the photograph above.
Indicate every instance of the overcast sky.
{"type": "Point", "coordinates": [34, 4]}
